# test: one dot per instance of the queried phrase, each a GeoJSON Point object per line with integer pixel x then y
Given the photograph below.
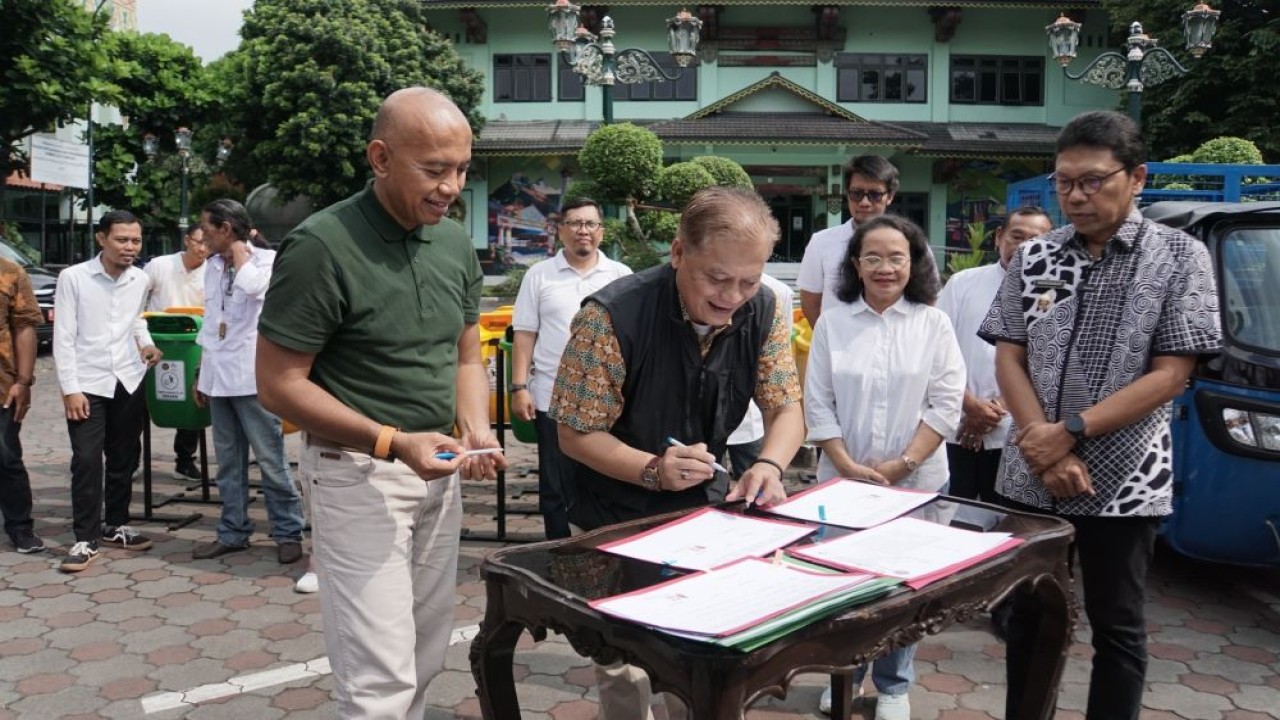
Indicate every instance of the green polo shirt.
{"type": "Point", "coordinates": [380, 308]}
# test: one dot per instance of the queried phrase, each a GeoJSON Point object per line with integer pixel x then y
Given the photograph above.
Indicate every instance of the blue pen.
{"type": "Point", "coordinates": [448, 455]}
{"type": "Point", "coordinates": [676, 443]}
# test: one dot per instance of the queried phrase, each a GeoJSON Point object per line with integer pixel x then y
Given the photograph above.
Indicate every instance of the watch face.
{"type": "Point", "coordinates": [1074, 425]}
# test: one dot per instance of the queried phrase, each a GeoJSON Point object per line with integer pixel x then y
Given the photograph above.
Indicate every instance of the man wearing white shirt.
{"type": "Point", "coordinates": [973, 451]}
{"type": "Point", "coordinates": [872, 185]}
{"type": "Point", "coordinates": [102, 351]}
{"type": "Point", "coordinates": [235, 284]}
{"type": "Point", "coordinates": [550, 295]}
{"type": "Point", "coordinates": [177, 280]}
{"type": "Point", "coordinates": [745, 442]}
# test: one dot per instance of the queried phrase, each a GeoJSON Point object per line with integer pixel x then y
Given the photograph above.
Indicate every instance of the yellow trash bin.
{"type": "Point", "coordinates": [801, 338]}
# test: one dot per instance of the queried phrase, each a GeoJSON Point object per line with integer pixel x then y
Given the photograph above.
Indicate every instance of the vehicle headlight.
{"type": "Point", "coordinates": [1252, 429]}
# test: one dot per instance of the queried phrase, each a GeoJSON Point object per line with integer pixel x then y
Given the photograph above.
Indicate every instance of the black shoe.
{"type": "Point", "coordinates": [125, 537]}
{"type": "Point", "coordinates": [27, 542]}
{"type": "Point", "coordinates": [215, 549]}
{"type": "Point", "coordinates": [81, 554]}
{"type": "Point", "coordinates": [289, 551]}
{"type": "Point", "coordinates": [187, 471]}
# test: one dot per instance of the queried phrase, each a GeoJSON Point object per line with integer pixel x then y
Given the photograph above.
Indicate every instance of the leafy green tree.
{"type": "Point", "coordinates": [623, 161]}
{"type": "Point", "coordinates": [161, 87]}
{"type": "Point", "coordinates": [678, 182]}
{"type": "Point", "coordinates": [1233, 90]}
{"type": "Point", "coordinates": [307, 79]}
{"type": "Point", "coordinates": [50, 69]}
{"type": "Point", "coordinates": [724, 170]}
{"type": "Point", "coordinates": [1228, 151]}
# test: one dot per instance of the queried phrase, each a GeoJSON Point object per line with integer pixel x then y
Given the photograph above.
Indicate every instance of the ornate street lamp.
{"type": "Point", "coordinates": [187, 162]}
{"type": "Point", "coordinates": [182, 138]}
{"type": "Point", "coordinates": [224, 152]}
{"type": "Point", "coordinates": [1143, 64]}
{"type": "Point", "coordinates": [599, 63]}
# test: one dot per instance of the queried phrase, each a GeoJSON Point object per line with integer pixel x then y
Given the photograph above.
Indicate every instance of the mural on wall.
{"type": "Point", "coordinates": [524, 206]}
{"type": "Point", "coordinates": [976, 194]}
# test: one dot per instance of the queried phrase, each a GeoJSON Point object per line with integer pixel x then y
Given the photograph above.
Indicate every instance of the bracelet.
{"type": "Point", "coordinates": [382, 446]}
{"type": "Point", "coordinates": [767, 461]}
{"type": "Point", "coordinates": [517, 387]}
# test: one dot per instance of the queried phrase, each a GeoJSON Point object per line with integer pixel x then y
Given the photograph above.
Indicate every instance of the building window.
{"type": "Point", "coordinates": [914, 206]}
{"type": "Point", "coordinates": [522, 78]}
{"type": "Point", "coordinates": [683, 88]}
{"type": "Point", "coordinates": [571, 88]}
{"type": "Point", "coordinates": [997, 80]}
{"type": "Point", "coordinates": [872, 77]}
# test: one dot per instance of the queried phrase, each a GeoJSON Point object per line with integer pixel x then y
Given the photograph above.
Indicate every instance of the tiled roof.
{"type": "Point", "coordinates": [747, 128]}
{"type": "Point", "coordinates": [534, 137]}
{"type": "Point", "coordinates": [986, 139]}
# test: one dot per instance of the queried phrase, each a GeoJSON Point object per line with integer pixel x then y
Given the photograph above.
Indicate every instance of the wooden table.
{"type": "Point", "coordinates": [546, 587]}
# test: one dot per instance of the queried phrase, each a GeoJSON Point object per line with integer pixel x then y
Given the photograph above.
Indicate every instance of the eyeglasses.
{"type": "Point", "coordinates": [857, 195]}
{"type": "Point", "coordinates": [591, 225]}
{"type": "Point", "coordinates": [1089, 184]}
{"type": "Point", "coordinates": [873, 262]}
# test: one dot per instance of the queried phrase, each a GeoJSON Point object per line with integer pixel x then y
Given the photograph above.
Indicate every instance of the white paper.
{"type": "Point", "coordinates": [905, 548]}
{"type": "Point", "coordinates": [852, 504]}
{"type": "Point", "coordinates": [727, 599]}
{"type": "Point", "coordinates": [171, 381]}
{"type": "Point", "coordinates": [708, 539]}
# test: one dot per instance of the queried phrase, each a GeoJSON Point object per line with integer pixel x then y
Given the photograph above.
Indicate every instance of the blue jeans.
{"type": "Point", "coordinates": [238, 424]}
{"type": "Point", "coordinates": [891, 674]}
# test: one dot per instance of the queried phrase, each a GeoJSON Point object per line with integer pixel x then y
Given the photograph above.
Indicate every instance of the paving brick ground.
{"type": "Point", "coordinates": [159, 635]}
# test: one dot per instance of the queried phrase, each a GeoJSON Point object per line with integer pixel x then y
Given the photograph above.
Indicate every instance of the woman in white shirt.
{"type": "Point", "coordinates": [883, 387]}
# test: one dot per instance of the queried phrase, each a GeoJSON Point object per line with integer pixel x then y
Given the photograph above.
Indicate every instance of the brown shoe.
{"type": "Point", "coordinates": [289, 552]}
{"type": "Point", "coordinates": [215, 549]}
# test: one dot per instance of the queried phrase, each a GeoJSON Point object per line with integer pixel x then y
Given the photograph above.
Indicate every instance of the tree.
{"type": "Point", "coordinates": [50, 69]}
{"type": "Point", "coordinates": [307, 79]}
{"type": "Point", "coordinates": [1232, 90]}
{"type": "Point", "coordinates": [680, 181]}
{"type": "Point", "coordinates": [161, 87]}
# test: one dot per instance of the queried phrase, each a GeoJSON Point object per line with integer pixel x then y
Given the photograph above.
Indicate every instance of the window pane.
{"type": "Point", "coordinates": [988, 84]}
{"type": "Point", "coordinates": [915, 91]}
{"type": "Point", "coordinates": [522, 78]}
{"type": "Point", "coordinates": [1032, 86]}
{"type": "Point", "coordinates": [963, 86]}
{"type": "Point", "coordinates": [893, 85]}
{"type": "Point", "coordinates": [847, 85]}
{"type": "Point", "coordinates": [1010, 84]}
{"type": "Point", "coordinates": [870, 85]}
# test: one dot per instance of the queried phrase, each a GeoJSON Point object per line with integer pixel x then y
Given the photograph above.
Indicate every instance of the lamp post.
{"type": "Point", "coordinates": [182, 141]}
{"type": "Point", "coordinates": [599, 63]}
{"type": "Point", "coordinates": [1143, 64]}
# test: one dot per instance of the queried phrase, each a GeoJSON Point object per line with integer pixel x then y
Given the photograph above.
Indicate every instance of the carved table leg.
{"type": "Point", "coordinates": [716, 703]}
{"type": "Point", "coordinates": [1053, 639]}
{"type": "Point", "coordinates": [492, 652]}
{"type": "Point", "coordinates": [841, 696]}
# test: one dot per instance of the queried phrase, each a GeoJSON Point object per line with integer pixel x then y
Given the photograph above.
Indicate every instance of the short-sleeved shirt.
{"type": "Point", "coordinates": [588, 391]}
{"type": "Point", "coordinates": [820, 266]}
{"type": "Point", "coordinates": [18, 309]}
{"type": "Point", "coordinates": [381, 308]}
{"type": "Point", "coordinates": [173, 285]}
{"type": "Point", "coordinates": [1091, 327]}
{"type": "Point", "coordinates": [551, 293]}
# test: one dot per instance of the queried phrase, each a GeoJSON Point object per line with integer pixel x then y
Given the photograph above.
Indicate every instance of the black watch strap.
{"type": "Point", "coordinates": [1074, 424]}
{"type": "Point", "coordinates": [517, 387]}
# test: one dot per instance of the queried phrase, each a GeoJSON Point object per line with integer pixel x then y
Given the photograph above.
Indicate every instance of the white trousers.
{"type": "Point", "coordinates": [386, 551]}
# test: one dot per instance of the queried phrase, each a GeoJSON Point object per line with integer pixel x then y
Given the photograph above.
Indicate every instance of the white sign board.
{"type": "Point", "coordinates": [59, 162]}
{"type": "Point", "coordinates": [171, 381]}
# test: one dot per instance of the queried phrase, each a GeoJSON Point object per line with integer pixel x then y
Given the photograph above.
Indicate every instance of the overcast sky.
{"type": "Point", "coordinates": [210, 27]}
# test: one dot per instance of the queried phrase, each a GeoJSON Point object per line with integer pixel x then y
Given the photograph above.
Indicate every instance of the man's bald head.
{"type": "Point", "coordinates": [406, 109]}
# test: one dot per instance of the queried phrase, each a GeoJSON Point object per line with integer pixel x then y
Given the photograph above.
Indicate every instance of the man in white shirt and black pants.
{"type": "Point", "coordinates": [177, 280]}
{"type": "Point", "coordinates": [102, 350]}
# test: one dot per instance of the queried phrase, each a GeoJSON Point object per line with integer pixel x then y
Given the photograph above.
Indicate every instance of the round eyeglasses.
{"type": "Point", "coordinates": [872, 262]}
{"type": "Point", "coordinates": [591, 225]}
{"type": "Point", "coordinates": [1089, 184]}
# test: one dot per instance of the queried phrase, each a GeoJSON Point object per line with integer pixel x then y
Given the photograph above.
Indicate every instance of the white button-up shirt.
{"type": "Point", "coordinates": [173, 285]}
{"type": "Point", "coordinates": [551, 293]}
{"type": "Point", "coordinates": [872, 378]}
{"type": "Point", "coordinates": [752, 427]}
{"type": "Point", "coordinates": [98, 329]}
{"type": "Point", "coordinates": [966, 299]}
{"type": "Point", "coordinates": [232, 301]}
{"type": "Point", "coordinates": [820, 266]}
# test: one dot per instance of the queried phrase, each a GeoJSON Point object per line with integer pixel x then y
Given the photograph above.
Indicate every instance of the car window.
{"type": "Point", "coordinates": [9, 253]}
{"type": "Point", "coordinates": [1251, 287]}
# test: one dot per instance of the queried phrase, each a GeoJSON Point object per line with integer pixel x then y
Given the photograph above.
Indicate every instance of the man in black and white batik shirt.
{"type": "Point", "coordinates": [1097, 327]}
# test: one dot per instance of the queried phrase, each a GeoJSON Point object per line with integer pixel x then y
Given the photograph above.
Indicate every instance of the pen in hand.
{"type": "Point", "coordinates": [451, 455]}
{"type": "Point", "coordinates": [676, 443]}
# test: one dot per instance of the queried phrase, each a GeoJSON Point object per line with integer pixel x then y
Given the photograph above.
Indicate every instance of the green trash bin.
{"type": "Point", "coordinates": [171, 383]}
{"type": "Point", "coordinates": [524, 430]}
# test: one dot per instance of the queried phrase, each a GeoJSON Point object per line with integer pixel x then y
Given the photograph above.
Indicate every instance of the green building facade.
{"type": "Point", "coordinates": [963, 98]}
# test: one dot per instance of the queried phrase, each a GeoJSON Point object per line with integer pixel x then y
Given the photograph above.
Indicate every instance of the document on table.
{"type": "Point", "coordinates": [853, 504]}
{"type": "Point", "coordinates": [913, 550]}
{"type": "Point", "coordinates": [707, 539]}
{"type": "Point", "coordinates": [728, 599]}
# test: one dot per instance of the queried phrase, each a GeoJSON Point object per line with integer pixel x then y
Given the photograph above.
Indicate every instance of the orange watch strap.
{"type": "Point", "coordinates": [382, 446]}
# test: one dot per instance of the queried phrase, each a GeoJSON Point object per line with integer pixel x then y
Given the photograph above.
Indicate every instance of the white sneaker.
{"type": "Point", "coordinates": [308, 583]}
{"type": "Point", "coordinates": [893, 707]}
{"type": "Point", "coordinates": [824, 702]}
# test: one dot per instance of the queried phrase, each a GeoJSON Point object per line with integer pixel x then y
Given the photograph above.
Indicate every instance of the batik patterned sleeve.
{"type": "Point", "coordinates": [1005, 320]}
{"type": "Point", "coordinates": [1189, 321]}
{"type": "Point", "coordinates": [777, 383]}
{"type": "Point", "coordinates": [588, 391]}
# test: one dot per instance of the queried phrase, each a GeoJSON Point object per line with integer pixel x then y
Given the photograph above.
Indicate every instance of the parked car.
{"type": "Point", "coordinates": [42, 282]}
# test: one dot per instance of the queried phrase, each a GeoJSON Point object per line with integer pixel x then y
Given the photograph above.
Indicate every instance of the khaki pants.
{"type": "Point", "coordinates": [386, 550]}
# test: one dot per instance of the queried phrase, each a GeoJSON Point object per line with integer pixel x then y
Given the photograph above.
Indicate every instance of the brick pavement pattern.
{"type": "Point", "coordinates": [159, 635]}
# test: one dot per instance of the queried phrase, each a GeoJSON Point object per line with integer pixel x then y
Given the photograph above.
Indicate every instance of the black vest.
{"type": "Point", "coordinates": [670, 391]}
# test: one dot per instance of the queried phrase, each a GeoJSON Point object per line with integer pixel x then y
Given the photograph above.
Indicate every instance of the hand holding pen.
{"type": "Point", "coordinates": [684, 466]}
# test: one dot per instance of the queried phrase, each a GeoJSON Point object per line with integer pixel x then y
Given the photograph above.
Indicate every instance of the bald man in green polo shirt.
{"type": "Point", "coordinates": [368, 342]}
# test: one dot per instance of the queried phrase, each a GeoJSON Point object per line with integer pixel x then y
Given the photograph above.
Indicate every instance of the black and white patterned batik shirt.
{"type": "Point", "coordinates": [1090, 328]}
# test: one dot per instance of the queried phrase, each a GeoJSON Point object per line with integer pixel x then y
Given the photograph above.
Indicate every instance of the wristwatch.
{"type": "Point", "coordinates": [649, 478]}
{"type": "Point", "coordinates": [517, 387]}
{"type": "Point", "coordinates": [912, 465]}
{"type": "Point", "coordinates": [1074, 424]}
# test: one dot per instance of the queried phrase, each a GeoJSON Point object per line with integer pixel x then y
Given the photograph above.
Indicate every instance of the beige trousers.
{"type": "Point", "coordinates": [386, 550]}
